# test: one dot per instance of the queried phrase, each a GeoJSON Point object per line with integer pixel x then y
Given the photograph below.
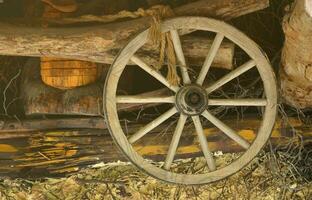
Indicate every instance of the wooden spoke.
{"type": "Point", "coordinates": [175, 141]}
{"type": "Point", "coordinates": [144, 99]}
{"type": "Point", "coordinates": [214, 173]}
{"type": "Point", "coordinates": [204, 144]}
{"type": "Point", "coordinates": [227, 130]}
{"type": "Point", "coordinates": [153, 73]}
{"type": "Point", "coordinates": [179, 53]}
{"type": "Point", "coordinates": [230, 76]}
{"type": "Point", "coordinates": [150, 126]}
{"type": "Point", "coordinates": [210, 57]}
{"type": "Point", "coordinates": [237, 102]}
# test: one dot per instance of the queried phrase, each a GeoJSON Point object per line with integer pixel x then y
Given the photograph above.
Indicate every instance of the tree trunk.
{"type": "Point", "coordinates": [42, 151]}
{"type": "Point", "coordinates": [102, 42]}
{"type": "Point", "coordinates": [296, 69]}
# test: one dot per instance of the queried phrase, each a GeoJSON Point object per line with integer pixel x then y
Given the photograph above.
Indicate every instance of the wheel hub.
{"type": "Point", "coordinates": [191, 100]}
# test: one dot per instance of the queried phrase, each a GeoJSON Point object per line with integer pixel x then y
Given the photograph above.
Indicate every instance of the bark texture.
{"type": "Point", "coordinates": [101, 43]}
{"type": "Point", "coordinates": [296, 69]}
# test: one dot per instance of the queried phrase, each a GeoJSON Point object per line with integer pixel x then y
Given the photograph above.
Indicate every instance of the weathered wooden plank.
{"type": "Point", "coordinates": [222, 9]}
{"type": "Point", "coordinates": [102, 42]}
{"type": "Point", "coordinates": [10, 129]}
{"type": "Point", "coordinates": [49, 153]}
{"type": "Point", "coordinates": [90, 48]}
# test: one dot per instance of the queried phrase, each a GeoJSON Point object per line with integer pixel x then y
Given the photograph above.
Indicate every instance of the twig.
{"type": "Point", "coordinates": [5, 90]}
{"type": "Point", "coordinates": [82, 181]}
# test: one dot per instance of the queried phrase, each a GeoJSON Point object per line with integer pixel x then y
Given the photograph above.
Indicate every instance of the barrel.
{"type": "Point", "coordinates": [66, 73]}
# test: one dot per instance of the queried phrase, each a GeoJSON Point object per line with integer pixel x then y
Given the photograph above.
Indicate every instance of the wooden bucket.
{"type": "Point", "coordinates": [66, 73]}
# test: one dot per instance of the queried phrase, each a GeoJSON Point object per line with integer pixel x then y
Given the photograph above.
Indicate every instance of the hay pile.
{"type": "Point", "coordinates": [282, 174]}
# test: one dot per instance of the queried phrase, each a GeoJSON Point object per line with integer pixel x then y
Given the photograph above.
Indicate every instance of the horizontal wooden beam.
{"type": "Point", "coordinates": [9, 129]}
{"type": "Point", "coordinates": [100, 43]}
{"type": "Point", "coordinates": [57, 152]}
{"type": "Point", "coordinates": [222, 9]}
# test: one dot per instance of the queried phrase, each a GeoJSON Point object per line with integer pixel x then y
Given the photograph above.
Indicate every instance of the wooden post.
{"type": "Point", "coordinates": [296, 67]}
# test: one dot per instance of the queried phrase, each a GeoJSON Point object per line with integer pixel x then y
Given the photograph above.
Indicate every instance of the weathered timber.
{"type": "Point", "coordinates": [101, 43]}
{"type": "Point", "coordinates": [222, 9]}
{"type": "Point", "coordinates": [90, 46]}
{"type": "Point", "coordinates": [64, 6]}
{"type": "Point", "coordinates": [195, 50]}
{"type": "Point", "coordinates": [296, 65]}
{"type": "Point", "coordinates": [15, 129]}
{"type": "Point", "coordinates": [59, 152]}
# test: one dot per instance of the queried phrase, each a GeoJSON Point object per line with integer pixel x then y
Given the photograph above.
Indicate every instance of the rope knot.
{"type": "Point", "coordinates": [163, 41]}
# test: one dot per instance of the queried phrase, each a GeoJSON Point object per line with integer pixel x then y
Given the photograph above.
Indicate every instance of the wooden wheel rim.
{"type": "Point", "coordinates": [197, 23]}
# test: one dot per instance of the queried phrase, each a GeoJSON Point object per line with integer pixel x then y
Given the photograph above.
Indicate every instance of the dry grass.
{"type": "Point", "coordinates": [278, 174]}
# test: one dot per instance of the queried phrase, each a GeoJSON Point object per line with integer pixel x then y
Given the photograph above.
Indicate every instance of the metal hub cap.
{"type": "Point", "coordinates": [192, 100]}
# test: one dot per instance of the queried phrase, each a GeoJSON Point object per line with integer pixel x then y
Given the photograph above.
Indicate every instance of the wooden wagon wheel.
{"type": "Point", "coordinates": [191, 100]}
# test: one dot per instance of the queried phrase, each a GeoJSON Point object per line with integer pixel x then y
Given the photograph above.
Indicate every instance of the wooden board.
{"type": "Point", "coordinates": [54, 152]}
